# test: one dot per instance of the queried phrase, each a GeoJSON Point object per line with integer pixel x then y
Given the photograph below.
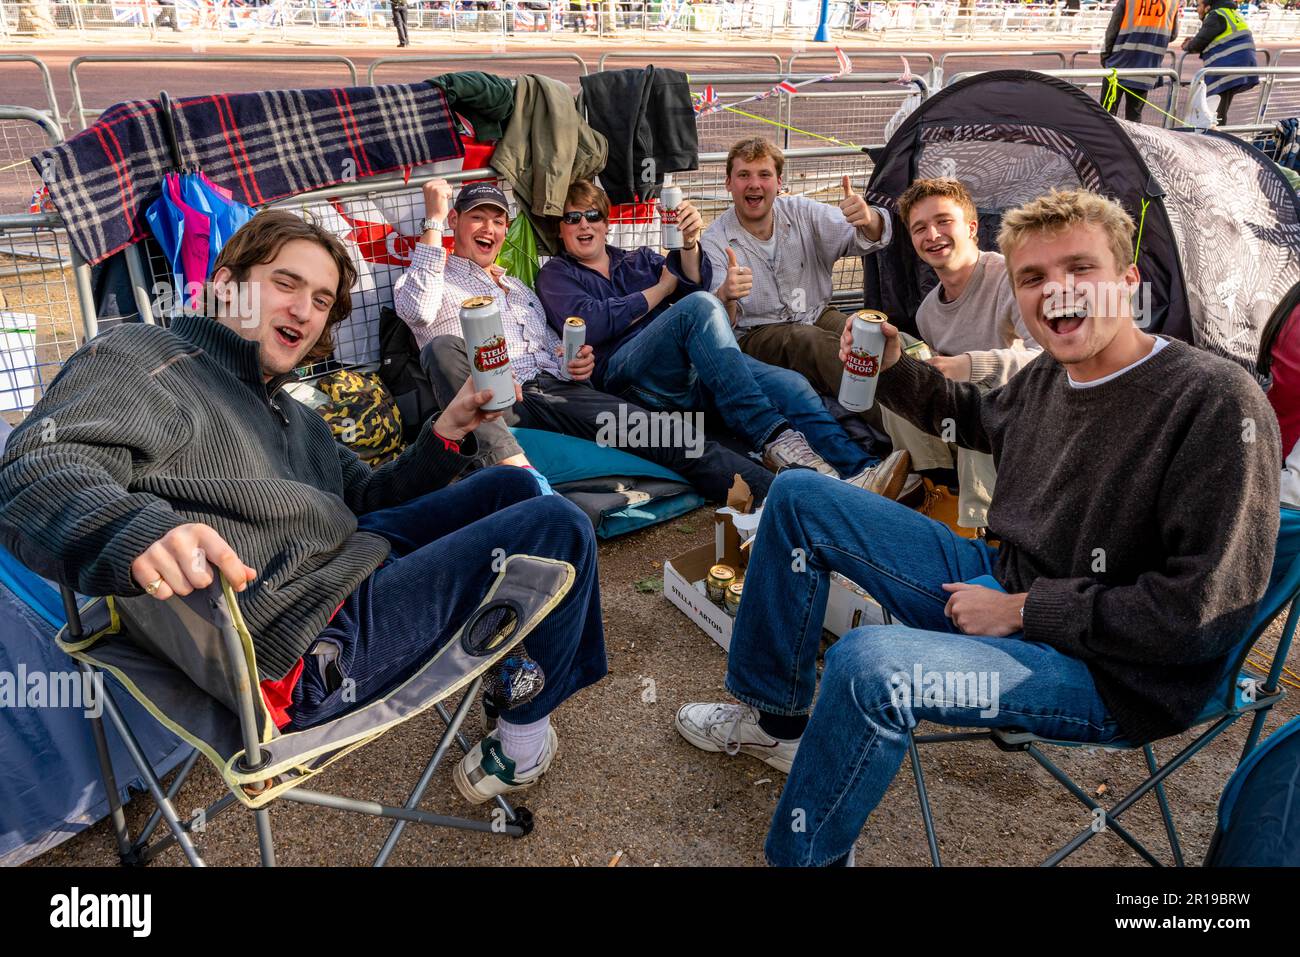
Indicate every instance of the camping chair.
{"type": "Point", "coordinates": [189, 661]}
{"type": "Point", "coordinates": [1239, 694]}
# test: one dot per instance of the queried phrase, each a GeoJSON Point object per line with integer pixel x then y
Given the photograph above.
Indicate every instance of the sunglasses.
{"type": "Point", "coordinates": [573, 217]}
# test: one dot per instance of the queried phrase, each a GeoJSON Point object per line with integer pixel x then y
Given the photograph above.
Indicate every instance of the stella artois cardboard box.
{"type": "Point", "coordinates": [847, 605]}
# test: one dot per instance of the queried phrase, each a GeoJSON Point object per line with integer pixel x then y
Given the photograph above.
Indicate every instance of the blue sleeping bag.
{"type": "Point", "coordinates": [1259, 813]}
{"type": "Point", "coordinates": [50, 787]}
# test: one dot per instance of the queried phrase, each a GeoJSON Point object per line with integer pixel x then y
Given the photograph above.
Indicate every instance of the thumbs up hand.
{"type": "Point", "coordinates": [855, 208]}
{"type": "Point", "coordinates": [739, 281]}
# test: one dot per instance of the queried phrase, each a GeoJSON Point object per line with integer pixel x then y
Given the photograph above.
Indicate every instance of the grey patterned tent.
{"type": "Point", "coordinates": [1220, 241]}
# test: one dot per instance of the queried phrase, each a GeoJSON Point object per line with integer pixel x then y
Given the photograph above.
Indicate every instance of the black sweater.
{"type": "Point", "coordinates": [147, 428]}
{"type": "Point", "coordinates": [1140, 515]}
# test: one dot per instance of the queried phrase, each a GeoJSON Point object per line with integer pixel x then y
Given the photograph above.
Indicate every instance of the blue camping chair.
{"type": "Point", "coordinates": [1259, 813]}
{"type": "Point", "coordinates": [1240, 694]}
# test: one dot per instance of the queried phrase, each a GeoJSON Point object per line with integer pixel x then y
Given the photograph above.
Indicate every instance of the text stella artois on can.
{"type": "Point", "coordinates": [575, 336]}
{"type": "Point", "coordinates": [670, 197]}
{"type": "Point", "coordinates": [485, 346]}
{"type": "Point", "coordinates": [858, 386]}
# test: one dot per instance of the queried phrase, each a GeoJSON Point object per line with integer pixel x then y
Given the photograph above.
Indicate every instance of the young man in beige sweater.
{"type": "Point", "coordinates": [971, 324]}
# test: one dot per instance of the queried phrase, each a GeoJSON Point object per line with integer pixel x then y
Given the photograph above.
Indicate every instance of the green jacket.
{"type": "Point", "coordinates": [546, 147]}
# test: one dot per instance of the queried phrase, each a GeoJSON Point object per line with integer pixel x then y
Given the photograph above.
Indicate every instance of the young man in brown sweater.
{"type": "Point", "coordinates": [1137, 514]}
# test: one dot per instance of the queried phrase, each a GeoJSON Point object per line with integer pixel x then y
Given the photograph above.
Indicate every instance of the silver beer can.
{"type": "Point", "coordinates": [858, 386]}
{"type": "Point", "coordinates": [670, 197]}
{"type": "Point", "coordinates": [485, 346]}
{"type": "Point", "coordinates": [575, 336]}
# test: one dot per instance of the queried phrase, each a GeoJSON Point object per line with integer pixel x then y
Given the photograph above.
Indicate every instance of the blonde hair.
{"type": "Point", "coordinates": [1063, 209]}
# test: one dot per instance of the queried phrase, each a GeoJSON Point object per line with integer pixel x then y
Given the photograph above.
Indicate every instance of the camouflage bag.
{"type": "Point", "coordinates": [362, 415]}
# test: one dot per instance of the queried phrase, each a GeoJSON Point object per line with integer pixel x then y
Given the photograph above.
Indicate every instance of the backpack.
{"type": "Point", "coordinates": [401, 372]}
{"type": "Point", "coordinates": [362, 415]}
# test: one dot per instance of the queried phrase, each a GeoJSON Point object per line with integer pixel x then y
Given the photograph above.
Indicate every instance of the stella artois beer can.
{"type": "Point", "coordinates": [575, 335]}
{"type": "Point", "coordinates": [485, 345]}
{"type": "Point", "coordinates": [731, 603]}
{"type": "Point", "coordinates": [670, 197]}
{"type": "Point", "coordinates": [720, 576]}
{"type": "Point", "coordinates": [858, 387]}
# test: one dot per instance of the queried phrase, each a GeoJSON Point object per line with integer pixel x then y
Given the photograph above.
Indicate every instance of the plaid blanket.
{"type": "Point", "coordinates": [262, 146]}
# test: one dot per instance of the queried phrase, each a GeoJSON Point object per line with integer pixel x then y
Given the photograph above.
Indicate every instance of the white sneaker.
{"type": "Point", "coordinates": [733, 729]}
{"type": "Point", "coordinates": [791, 450]}
{"type": "Point", "coordinates": [486, 772]}
{"type": "Point", "coordinates": [885, 478]}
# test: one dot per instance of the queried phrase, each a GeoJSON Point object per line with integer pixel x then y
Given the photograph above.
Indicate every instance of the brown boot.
{"type": "Point", "coordinates": [941, 505]}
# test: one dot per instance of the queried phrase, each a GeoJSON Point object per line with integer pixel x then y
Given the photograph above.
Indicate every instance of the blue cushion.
{"type": "Point", "coordinates": [566, 458]}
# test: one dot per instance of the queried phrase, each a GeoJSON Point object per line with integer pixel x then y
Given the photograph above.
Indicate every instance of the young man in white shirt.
{"type": "Point", "coordinates": [772, 259]}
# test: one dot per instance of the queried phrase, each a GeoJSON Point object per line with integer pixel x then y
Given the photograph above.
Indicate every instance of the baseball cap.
{"type": "Point", "coordinates": [481, 194]}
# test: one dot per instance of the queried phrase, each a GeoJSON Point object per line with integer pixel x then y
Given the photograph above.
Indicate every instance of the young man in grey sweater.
{"type": "Point", "coordinates": [1137, 514]}
{"type": "Point", "coordinates": [159, 452]}
{"type": "Point", "coordinates": [971, 323]}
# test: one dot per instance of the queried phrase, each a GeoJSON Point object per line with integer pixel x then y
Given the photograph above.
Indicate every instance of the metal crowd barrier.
{"type": "Point", "coordinates": [1279, 89]}
{"type": "Point", "coordinates": [84, 115]}
{"type": "Point", "coordinates": [1094, 82]}
{"type": "Point", "coordinates": [53, 112]}
{"type": "Point", "coordinates": [861, 57]}
{"type": "Point", "coordinates": [46, 304]}
{"type": "Point", "coordinates": [393, 61]}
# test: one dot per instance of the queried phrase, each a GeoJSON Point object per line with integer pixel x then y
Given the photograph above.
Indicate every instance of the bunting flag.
{"type": "Point", "coordinates": [786, 86]}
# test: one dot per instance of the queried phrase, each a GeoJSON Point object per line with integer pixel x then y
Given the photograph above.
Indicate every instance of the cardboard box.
{"type": "Point", "coordinates": [847, 606]}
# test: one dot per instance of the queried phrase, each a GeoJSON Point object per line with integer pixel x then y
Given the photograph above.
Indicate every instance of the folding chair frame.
{"type": "Point", "coordinates": [1259, 705]}
{"type": "Point", "coordinates": [514, 821]}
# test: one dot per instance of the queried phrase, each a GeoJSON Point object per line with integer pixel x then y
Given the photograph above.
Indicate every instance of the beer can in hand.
{"type": "Point", "coordinates": [670, 198]}
{"type": "Point", "coordinates": [858, 387]}
{"type": "Point", "coordinates": [485, 345]}
{"type": "Point", "coordinates": [575, 335]}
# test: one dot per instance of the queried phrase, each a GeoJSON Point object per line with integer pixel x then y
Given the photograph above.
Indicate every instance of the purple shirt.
{"type": "Point", "coordinates": [613, 307]}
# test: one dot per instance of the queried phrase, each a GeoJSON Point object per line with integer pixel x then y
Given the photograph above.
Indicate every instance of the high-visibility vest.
{"type": "Point", "coordinates": [1144, 35]}
{"type": "Point", "coordinates": [1233, 47]}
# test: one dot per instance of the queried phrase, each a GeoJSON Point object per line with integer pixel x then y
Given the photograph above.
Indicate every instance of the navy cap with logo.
{"type": "Point", "coordinates": [481, 194]}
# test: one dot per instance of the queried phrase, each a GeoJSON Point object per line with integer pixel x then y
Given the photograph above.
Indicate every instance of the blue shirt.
{"type": "Point", "coordinates": [613, 307]}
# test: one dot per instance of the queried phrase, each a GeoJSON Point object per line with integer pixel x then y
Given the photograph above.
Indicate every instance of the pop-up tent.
{"type": "Point", "coordinates": [1219, 239]}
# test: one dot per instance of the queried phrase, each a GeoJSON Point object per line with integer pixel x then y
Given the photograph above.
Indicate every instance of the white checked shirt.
{"type": "Point", "coordinates": [810, 238]}
{"type": "Point", "coordinates": [428, 296]}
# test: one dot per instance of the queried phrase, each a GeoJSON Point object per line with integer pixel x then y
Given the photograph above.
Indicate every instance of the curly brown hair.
{"type": "Point", "coordinates": [260, 240]}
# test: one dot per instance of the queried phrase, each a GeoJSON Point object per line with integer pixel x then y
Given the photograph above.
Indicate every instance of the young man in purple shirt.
{"type": "Point", "coordinates": [661, 339]}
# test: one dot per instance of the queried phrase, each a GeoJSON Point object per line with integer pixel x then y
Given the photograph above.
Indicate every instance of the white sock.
{"type": "Point", "coordinates": [524, 743]}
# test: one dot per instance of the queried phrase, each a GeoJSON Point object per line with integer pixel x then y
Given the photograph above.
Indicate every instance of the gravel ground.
{"type": "Point", "coordinates": [625, 781]}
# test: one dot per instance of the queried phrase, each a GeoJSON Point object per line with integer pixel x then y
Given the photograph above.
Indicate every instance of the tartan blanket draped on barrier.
{"type": "Point", "coordinates": [262, 146]}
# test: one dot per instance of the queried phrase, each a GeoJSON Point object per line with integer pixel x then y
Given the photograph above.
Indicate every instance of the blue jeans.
{"type": "Point", "coordinates": [879, 681]}
{"type": "Point", "coordinates": [688, 358]}
{"type": "Point", "coordinates": [439, 571]}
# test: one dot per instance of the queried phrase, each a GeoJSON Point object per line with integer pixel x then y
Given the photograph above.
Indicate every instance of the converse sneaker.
{"type": "Point", "coordinates": [885, 478]}
{"type": "Point", "coordinates": [486, 772]}
{"type": "Point", "coordinates": [732, 729]}
{"type": "Point", "coordinates": [791, 450]}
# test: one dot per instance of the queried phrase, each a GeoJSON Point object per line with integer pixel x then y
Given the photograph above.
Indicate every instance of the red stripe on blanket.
{"type": "Point", "coordinates": [123, 181]}
{"type": "Point", "coordinates": [258, 199]}
{"type": "Point", "coordinates": [349, 130]}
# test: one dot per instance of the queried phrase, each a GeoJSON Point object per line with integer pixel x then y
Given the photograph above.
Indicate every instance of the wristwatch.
{"type": "Point", "coordinates": [427, 224]}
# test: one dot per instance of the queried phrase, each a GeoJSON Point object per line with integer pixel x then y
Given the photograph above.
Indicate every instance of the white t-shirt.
{"type": "Point", "coordinates": [1160, 344]}
{"type": "Point", "coordinates": [768, 246]}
